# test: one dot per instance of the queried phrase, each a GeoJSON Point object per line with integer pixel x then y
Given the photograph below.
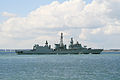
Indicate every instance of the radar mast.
{"type": "Point", "coordinates": [61, 40]}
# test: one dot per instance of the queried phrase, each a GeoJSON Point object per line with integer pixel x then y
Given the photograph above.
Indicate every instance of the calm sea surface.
{"type": "Point", "coordinates": [60, 67]}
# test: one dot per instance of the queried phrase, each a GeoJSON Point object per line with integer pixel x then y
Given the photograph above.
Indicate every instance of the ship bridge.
{"type": "Point", "coordinates": [75, 46]}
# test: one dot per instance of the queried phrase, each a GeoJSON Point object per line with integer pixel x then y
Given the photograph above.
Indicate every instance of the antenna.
{"type": "Point", "coordinates": [46, 43]}
{"type": "Point", "coordinates": [71, 41]}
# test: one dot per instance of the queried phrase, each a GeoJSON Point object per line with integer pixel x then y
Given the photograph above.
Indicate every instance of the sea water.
{"type": "Point", "coordinates": [60, 67]}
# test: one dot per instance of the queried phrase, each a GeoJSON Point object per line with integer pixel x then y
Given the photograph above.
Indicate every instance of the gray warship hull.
{"type": "Point", "coordinates": [60, 49]}
{"type": "Point", "coordinates": [61, 52]}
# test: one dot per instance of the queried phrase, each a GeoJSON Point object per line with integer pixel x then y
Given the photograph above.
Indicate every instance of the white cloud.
{"type": "Point", "coordinates": [92, 22]}
{"type": "Point", "coordinates": [95, 31]}
{"type": "Point", "coordinates": [6, 14]}
{"type": "Point", "coordinates": [83, 34]}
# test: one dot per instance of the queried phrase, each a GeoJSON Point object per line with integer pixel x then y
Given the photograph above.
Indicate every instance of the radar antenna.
{"type": "Point", "coordinates": [46, 43]}
{"type": "Point", "coordinates": [71, 42]}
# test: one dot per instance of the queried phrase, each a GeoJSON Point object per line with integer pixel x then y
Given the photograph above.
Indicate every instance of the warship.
{"type": "Point", "coordinates": [60, 48]}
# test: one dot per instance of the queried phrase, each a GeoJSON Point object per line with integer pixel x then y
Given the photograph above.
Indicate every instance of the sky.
{"type": "Point", "coordinates": [95, 23]}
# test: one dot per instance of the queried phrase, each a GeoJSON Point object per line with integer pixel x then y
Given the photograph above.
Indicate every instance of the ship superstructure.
{"type": "Point", "coordinates": [60, 48]}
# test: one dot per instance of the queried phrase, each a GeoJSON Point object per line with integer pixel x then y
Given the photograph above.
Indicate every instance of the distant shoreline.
{"type": "Point", "coordinates": [111, 51]}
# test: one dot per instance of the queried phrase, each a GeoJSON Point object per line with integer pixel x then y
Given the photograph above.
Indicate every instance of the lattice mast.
{"type": "Point", "coordinates": [61, 40]}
